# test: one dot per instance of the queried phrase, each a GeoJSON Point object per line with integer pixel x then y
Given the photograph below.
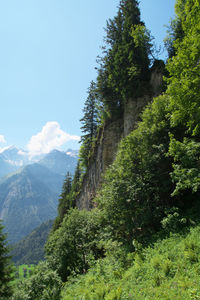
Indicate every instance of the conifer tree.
{"type": "Point", "coordinates": [175, 30]}
{"type": "Point", "coordinates": [124, 66]}
{"type": "Point", "coordinates": [64, 201]}
{"type": "Point", "coordinates": [89, 121]}
{"type": "Point", "coordinates": [76, 180]}
{"type": "Point", "coordinates": [5, 268]}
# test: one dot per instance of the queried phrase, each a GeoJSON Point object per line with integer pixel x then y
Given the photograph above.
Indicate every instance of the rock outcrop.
{"type": "Point", "coordinates": [110, 135]}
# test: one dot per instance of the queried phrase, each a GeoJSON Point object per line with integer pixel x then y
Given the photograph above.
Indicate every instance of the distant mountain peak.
{"type": "Point", "coordinates": [8, 148]}
{"type": "Point", "coordinates": [72, 153]}
{"type": "Point", "coordinates": [31, 191]}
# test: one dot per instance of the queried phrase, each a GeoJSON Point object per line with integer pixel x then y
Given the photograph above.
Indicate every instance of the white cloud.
{"type": "Point", "coordinates": [50, 137]}
{"type": "Point", "coordinates": [2, 139]}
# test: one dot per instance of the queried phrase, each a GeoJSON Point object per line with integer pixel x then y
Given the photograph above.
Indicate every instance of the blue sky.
{"type": "Point", "coordinates": [47, 59]}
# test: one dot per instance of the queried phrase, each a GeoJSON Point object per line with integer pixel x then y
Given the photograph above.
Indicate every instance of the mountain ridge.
{"type": "Point", "coordinates": [29, 195]}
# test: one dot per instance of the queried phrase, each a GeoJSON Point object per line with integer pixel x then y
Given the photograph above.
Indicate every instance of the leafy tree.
{"type": "Point", "coordinates": [184, 71]}
{"type": "Point", "coordinates": [73, 247]}
{"type": "Point", "coordinates": [44, 284]}
{"type": "Point", "coordinates": [175, 30]}
{"type": "Point", "coordinates": [183, 89]}
{"type": "Point", "coordinates": [5, 267]}
{"type": "Point", "coordinates": [157, 165]}
{"type": "Point", "coordinates": [138, 185]}
{"type": "Point", "coordinates": [124, 66]}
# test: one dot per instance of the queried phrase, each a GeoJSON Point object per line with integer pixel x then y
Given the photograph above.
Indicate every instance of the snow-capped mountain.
{"type": "Point", "coordinates": [60, 162]}
{"type": "Point", "coordinates": [13, 158]}
{"type": "Point", "coordinates": [72, 153]}
{"type": "Point", "coordinates": [29, 195]}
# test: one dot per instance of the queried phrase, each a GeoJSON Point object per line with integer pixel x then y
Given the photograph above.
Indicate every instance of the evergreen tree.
{"type": "Point", "coordinates": [124, 67]}
{"type": "Point", "coordinates": [66, 188]}
{"type": "Point", "coordinates": [5, 267]}
{"type": "Point", "coordinates": [89, 121]}
{"type": "Point", "coordinates": [76, 180]}
{"type": "Point", "coordinates": [175, 30]}
{"type": "Point", "coordinates": [64, 201]}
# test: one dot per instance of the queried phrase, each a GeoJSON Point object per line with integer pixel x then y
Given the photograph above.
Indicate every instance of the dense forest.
{"type": "Point", "coordinates": [140, 240]}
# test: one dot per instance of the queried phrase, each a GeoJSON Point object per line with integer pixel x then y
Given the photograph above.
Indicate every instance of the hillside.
{"type": "Point", "coordinates": [136, 234]}
{"type": "Point", "coordinates": [11, 159]}
{"type": "Point", "coordinates": [29, 196]}
{"type": "Point", "coordinates": [167, 270]}
{"type": "Point", "coordinates": [27, 199]}
{"type": "Point", "coordinates": [30, 250]}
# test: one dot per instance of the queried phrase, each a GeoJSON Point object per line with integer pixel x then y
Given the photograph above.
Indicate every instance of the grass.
{"type": "Point", "coordinates": [23, 271]}
{"type": "Point", "coordinates": [169, 269]}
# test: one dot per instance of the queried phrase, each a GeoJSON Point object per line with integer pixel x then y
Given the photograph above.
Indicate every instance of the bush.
{"type": "Point", "coordinates": [44, 284]}
{"type": "Point", "coordinates": [74, 246]}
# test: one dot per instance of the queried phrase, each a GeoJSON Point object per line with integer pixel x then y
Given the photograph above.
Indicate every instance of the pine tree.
{"type": "Point", "coordinates": [67, 185]}
{"type": "Point", "coordinates": [76, 180]}
{"type": "Point", "coordinates": [5, 267]}
{"type": "Point", "coordinates": [89, 121]}
{"type": "Point", "coordinates": [64, 201]}
{"type": "Point", "coordinates": [125, 64]}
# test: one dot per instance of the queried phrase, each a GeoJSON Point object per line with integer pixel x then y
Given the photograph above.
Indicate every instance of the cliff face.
{"type": "Point", "coordinates": [103, 156]}
{"type": "Point", "coordinates": [110, 136]}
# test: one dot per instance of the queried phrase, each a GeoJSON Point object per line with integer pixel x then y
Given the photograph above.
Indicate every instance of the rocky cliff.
{"type": "Point", "coordinates": [110, 135]}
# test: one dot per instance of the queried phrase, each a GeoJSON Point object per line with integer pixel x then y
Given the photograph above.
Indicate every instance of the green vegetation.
{"type": "Point", "coordinates": [68, 196]}
{"type": "Point", "coordinates": [5, 267]}
{"type": "Point", "coordinates": [44, 284]}
{"type": "Point", "coordinates": [23, 271]}
{"type": "Point", "coordinates": [141, 241]}
{"type": "Point", "coordinates": [30, 250]}
{"type": "Point", "coordinates": [124, 68]}
{"type": "Point", "coordinates": [74, 246]}
{"type": "Point", "coordinates": [123, 73]}
{"type": "Point", "coordinates": [89, 122]}
{"type": "Point", "coordinates": [169, 269]}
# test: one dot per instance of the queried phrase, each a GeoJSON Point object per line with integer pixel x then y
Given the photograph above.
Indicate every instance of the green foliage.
{"type": "Point", "coordinates": [100, 254]}
{"type": "Point", "coordinates": [5, 267]}
{"type": "Point", "coordinates": [173, 221]}
{"type": "Point", "coordinates": [184, 69]}
{"type": "Point", "coordinates": [44, 284]}
{"type": "Point", "coordinates": [70, 190]}
{"type": "Point", "coordinates": [74, 246]}
{"type": "Point", "coordinates": [168, 270]}
{"type": "Point", "coordinates": [183, 91]}
{"type": "Point", "coordinates": [175, 30]}
{"type": "Point", "coordinates": [76, 182]}
{"type": "Point", "coordinates": [137, 186]}
{"type": "Point", "coordinates": [89, 123]}
{"type": "Point", "coordinates": [64, 201]}
{"type": "Point", "coordinates": [22, 272]}
{"type": "Point", "coordinates": [186, 173]}
{"type": "Point", "coordinates": [124, 66]}
{"type": "Point", "coordinates": [30, 250]}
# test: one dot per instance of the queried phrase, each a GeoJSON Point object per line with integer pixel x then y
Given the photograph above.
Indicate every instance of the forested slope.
{"type": "Point", "coordinates": [141, 239]}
